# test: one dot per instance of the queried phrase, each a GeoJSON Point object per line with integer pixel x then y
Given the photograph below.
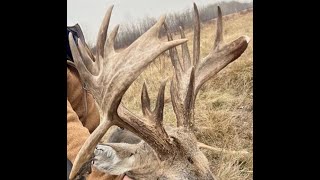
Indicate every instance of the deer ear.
{"type": "Point", "coordinates": [115, 158]}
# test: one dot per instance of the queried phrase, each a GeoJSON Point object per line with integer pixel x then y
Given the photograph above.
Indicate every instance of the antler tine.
{"type": "Point", "coordinates": [185, 51]}
{"type": "Point", "coordinates": [86, 76]}
{"type": "Point", "coordinates": [109, 46]}
{"type": "Point", "coordinates": [155, 30]}
{"type": "Point", "coordinates": [220, 150]}
{"type": "Point", "coordinates": [87, 58]}
{"type": "Point", "coordinates": [175, 60]}
{"type": "Point", "coordinates": [158, 110]}
{"type": "Point", "coordinates": [117, 71]}
{"type": "Point", "coordinates": [145, 101]}
{"type": "Point", "coordinates": [102, 34]}
{"type": "Point", "coordinates": [219, 31]}
{"type": "Point", "coordinates": [196, 35]}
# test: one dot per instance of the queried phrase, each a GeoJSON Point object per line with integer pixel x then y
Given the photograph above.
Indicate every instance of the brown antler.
{"type": "Point", "coordinates": [150, 127]}
{"type": "Point", "coordinates": [191, 75]}
{"type": "Point", "coordinates": [109, 75]}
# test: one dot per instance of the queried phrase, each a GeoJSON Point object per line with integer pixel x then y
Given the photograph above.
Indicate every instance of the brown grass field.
{"type": "Point", "coordinates": [224, 103]}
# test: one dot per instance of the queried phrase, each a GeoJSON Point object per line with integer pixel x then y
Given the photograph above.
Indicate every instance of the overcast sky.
{"type": "Point", "coordinates": [89, 13]}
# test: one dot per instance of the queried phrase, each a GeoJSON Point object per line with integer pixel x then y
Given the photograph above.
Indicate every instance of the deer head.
{"type": "Point", "coordinates": [163, 153]}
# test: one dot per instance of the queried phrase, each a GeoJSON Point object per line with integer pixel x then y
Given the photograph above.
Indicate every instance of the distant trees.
{"type": "Point", "coordinates": [128, 33]}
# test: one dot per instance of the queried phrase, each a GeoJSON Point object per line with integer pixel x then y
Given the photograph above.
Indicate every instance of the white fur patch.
{"type": "Point", "coordinates": [106, 160]}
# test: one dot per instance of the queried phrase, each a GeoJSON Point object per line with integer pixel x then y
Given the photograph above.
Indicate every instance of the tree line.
{"type": "Point", "coordinates": [129, 32]}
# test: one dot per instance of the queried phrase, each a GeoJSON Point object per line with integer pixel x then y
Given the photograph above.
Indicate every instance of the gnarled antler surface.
{"type": "Point", "coordinates": [109, 74]}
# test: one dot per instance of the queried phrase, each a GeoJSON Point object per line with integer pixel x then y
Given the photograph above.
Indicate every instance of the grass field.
{"type": "Point", "coordinates": [224, 103]}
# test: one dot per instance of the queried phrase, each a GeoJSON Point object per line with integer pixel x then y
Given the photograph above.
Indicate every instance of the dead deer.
{"type": "Point", "coordinates": [163, 153]}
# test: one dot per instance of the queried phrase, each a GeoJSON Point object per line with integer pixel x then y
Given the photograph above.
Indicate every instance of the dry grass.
{"type": "Point", "coordinates": [224, 103]}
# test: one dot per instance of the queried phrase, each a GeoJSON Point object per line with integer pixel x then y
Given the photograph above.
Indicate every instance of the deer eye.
{"type": "Point", "coordinates": [190, 160]}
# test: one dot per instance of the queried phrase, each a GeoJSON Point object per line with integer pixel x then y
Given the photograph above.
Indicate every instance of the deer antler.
{"type": "Point", "coordinates": [191, 75]}
{"type": "Point", "coordinates": [150, 127]}
{"type": "Point", "coordinates": [220, 150]}
{"type": "Point", "coordinates": [109, 74]}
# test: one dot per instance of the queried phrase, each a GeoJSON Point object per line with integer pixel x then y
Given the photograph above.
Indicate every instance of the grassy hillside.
{"type": "Point", "coordinates": [224, 103]}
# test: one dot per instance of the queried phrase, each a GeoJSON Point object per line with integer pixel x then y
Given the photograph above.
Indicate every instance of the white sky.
{"type": "Point", "coordinates": [89, 13]}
